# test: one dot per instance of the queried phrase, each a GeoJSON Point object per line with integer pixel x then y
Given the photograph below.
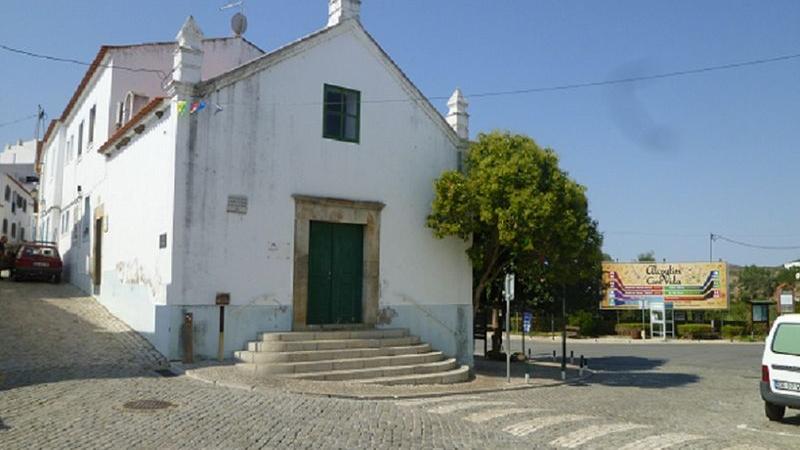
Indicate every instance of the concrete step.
{"type": "Point", "coordinates": [324, 355]}
{"type": "Point", "coordinates": [381, 362]}
{"type": "Point", "coordinates": [331, 344]}
{"type": "Point", "coordinates": [333, 335]}
{"type": "Point", "coordinates": [457, 375]}
{"type": "Point", "coordinates": [378, 372]}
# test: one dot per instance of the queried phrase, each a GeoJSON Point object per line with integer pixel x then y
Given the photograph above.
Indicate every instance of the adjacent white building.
{"type": "Point", "coordinates": [18, 183]}
{"type": "Point", "coordinates": [296, 183]}
{"type": "Point", "coordinates": [16, 209]}
{"type": "Point", "coordinates": [18, 160]}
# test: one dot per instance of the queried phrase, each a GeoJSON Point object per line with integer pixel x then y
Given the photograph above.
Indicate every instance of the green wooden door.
{"type": "Point", "coordinates": [335, 273]}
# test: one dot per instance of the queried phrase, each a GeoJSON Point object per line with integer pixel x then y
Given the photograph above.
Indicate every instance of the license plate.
{"type": "Point", "coordinates": [787, 386]}
{"type": "Point", "coordinates": [41, 264]}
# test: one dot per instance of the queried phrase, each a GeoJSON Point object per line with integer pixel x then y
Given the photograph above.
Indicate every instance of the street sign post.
{"type": "Point", "coordinates": [509, 293]}
{"type": "Point", "coordinates": [527, 322]}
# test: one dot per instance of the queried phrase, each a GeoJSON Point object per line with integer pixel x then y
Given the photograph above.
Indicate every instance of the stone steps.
{"type": "Point", "coordinates": [330, 344]}
{"type": "Point", "coordinates": [347, 364]}
{"type": "Point", "coordinates": [323, 355]}
{"type": "Point", "coordinates": [333, 335]}
{"type": "Point", "coordinates": [389, 356]}
{"type": "Point", "coordinates": [378, 372]}
{"type": "Point", "coordinates": [458, 375]}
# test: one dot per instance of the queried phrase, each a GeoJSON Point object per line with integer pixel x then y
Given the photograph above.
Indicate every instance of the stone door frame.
{"type": "Point", "coordinates": [367, 213]}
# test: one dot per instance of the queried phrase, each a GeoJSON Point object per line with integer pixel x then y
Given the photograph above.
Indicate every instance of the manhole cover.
{"type": "Point", "coordinates": [147, 405]}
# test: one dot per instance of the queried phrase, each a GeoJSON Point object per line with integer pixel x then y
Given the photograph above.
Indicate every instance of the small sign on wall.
{"type": "Point", "coordinates": [162, 241]}
{"type": "Point", "coordinates": [237, 204]}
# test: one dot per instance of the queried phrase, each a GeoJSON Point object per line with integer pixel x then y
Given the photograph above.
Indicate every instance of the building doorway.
{"type": "Point", "coordinates": [98, 253]}
{"type": "Point", "coordinates": [335, 273]}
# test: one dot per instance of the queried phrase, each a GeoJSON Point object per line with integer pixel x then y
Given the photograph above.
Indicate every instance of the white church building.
{"type": "Point", "coordinates": [291, 186]}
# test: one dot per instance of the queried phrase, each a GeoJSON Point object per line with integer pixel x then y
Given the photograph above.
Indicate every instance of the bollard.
{"type": "Point", "coordinates": [554, 355]}
{"type": "Point", "coordinates": [529, 353]}
{"type": "Point", "coordinates": [572, 357]}
{"type": "Point", "coordinates": [581, 369]}
{"type": "Point", "coordinates": [527, 378]}
{"type": "Point", "coordinates": [187, 336]}
{"type": "Point", "coordinates": [563, 375]}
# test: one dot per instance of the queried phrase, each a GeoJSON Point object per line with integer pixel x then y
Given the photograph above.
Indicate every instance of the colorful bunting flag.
{"type": "Point", "coordinates": [181, 107]}
{"type": "Point", "coordinates": [197, 106]}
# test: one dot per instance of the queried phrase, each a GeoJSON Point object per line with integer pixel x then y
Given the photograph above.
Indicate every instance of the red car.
{"type": "Point", "coordinates": [37, 260]}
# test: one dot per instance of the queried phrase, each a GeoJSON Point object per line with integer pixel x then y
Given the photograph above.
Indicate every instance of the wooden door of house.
{"type": "Point", "coordinates": [335, 273]}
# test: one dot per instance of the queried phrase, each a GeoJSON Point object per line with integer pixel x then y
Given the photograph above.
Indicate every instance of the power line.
{"type": "Point", "coordinates": [676, 73]}
{"type": "Point", "coordinates": [78, 62]}
{"type": "Point", "coordinates": [522, 91]}
{"type": "Point", "coordinates": [715, 237]}
{"type": "Point", "coordinates": [21, 119]}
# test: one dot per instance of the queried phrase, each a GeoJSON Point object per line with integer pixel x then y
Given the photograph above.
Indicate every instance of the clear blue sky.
{"type": "Point", "coordinates": [665, 162]}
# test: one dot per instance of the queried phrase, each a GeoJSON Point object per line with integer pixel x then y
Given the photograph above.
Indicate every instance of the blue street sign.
{"type": "Point", "coordinates": [527, 321]}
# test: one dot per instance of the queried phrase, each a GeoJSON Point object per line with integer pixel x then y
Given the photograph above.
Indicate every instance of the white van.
{"type": "Point", "coordinates": [780, 367]}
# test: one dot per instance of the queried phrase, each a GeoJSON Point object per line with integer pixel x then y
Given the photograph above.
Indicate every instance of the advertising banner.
{"type": "Point", "coordinates": [688, 286]}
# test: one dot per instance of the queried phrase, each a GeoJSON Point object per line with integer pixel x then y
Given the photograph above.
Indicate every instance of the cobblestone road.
{"type": "Point", "coordinates": [69, 368]}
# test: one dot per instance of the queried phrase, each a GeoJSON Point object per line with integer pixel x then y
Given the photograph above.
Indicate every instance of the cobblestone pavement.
{"type": "Point", "coordinates": [67, 389]}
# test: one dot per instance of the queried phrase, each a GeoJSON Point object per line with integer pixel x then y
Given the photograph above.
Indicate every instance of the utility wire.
{"type": "Point", "coordinates": [522, 91]}
{"type": "Point", "coordinates": [78, 62]}
{"type": "Point", "coordinates": [21, 119]}
{"type": "Point", "coordinates": [749, 245]}
{"type": "Point", "coordinates": [676, 73]}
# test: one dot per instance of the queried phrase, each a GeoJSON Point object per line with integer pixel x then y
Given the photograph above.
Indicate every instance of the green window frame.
{"type": "Point", "coordinates": [341, 114]}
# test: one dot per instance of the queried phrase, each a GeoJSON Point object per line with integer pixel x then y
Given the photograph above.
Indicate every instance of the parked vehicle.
{"type": "Point", "coordinates": [7, 258]}
{"type": "Point", "coordinates": [37, 260]}
{"type": "Point", "coordinates": [780, 367]}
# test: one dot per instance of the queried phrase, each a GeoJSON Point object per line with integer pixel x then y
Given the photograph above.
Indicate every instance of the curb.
{"type": "Point", "coordinates": [588, 373]}
{"type": "Point", "coordinates": [592, 341]}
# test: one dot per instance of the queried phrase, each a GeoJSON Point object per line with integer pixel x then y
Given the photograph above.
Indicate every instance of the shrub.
{"type": "Point", "coordinates": [586, 322]}
{"type": "Point", "coordinates": [732, 331]}
{"type": "Point", "coordinates": [696, 331]}
{"type": "Point", "coordinates": [633, 330]}
{"type": "Point", "coordinates": [758, 329]}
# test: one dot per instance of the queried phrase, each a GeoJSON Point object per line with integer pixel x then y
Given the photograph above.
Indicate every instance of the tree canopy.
{"type": "Point", "coordinates": [649, 256]}
{"type": "Point", "coordinates": [523, 213]}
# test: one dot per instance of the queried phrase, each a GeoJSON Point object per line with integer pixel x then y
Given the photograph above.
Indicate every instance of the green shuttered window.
{"type": "Point", "coordinates": [341, 118]}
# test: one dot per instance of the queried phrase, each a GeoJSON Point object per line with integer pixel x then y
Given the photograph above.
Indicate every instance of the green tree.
{"type": "Point", "coordinates": [649, 256]}
{"type": "Point", "coordinates": [756, 283]}
{"type": "Point", "coordinates": [524, 215]}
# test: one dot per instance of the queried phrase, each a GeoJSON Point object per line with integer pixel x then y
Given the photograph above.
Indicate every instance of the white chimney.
{"type": "Point", "coordinates": [188, 58]}
{"type": "Point", "coordinates": [457, 116]}
{"type": "Point", "coordinates": [340, 10]}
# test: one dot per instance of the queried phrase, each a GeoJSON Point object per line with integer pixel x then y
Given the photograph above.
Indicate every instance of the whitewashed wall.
{"type": "Point", "coordinates": [267, 144]}
{"type": "Point", "coordinates": [20, 218]}
{"type": "Point", "coordinates": [138, 207]}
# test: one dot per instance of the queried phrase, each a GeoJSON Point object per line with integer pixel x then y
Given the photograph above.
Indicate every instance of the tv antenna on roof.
{"type": "Point", "coordinates": [238, 21]}
{"type": "Point", "coordinates": [232, 5]}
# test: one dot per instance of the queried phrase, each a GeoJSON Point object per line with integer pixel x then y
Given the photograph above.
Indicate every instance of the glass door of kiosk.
{"type": "Point", "coordinates": [662, 320]}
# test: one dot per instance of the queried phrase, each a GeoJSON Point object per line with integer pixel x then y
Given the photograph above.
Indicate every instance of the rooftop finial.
{"type": "Point", "coordinates": [190, 35]}
{"type": "Point", "coordinates": [457, 116]}
{"type": "Point", "coordinates": [340, 10]}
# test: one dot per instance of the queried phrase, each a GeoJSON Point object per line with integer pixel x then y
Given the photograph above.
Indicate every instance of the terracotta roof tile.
{"type": "Point", "coordinates": [150, 106]}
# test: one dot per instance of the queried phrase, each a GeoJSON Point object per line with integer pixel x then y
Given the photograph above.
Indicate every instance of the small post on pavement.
{"type": "Point", "coordinates": [223, 299]}
{"type": "Point", "coordinates": [509, 296]}
{"type": "Point", "coordinates": [563, 331]}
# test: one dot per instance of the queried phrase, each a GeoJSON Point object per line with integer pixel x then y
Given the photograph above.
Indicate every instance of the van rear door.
{"type": "Point", "coordinates": [784, 360]}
